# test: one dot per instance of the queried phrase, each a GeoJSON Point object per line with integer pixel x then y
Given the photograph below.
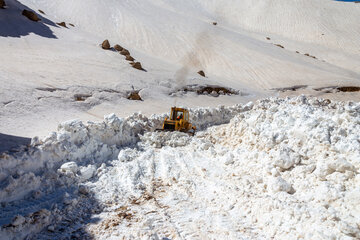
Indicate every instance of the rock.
{"type": "Point", "coordinates": [129, 58]}
{"type": "Point", "coordinates": [118, 48]}
{"type": "Point", "coordinates": [71, 24]}
{"type": "Point", "coordinates": [18, 220]}
{"type": "Point", "coordinates": [214, 23]}
{"type": "Point", "coordinates": [125, 52]}
{"type": "Point", "coordinates": [201, 72]}
{"type": "Point", "coordinates": [134, 96]}
{"type": "Point", "coordinates": [63, 24]}
{"type": "Point", "coordinates": [41, 11]}
{"type": "Point", "coordinates": [137, 65]}
{"type": "Point", "coordinates": [30, 15]}
{"type": "Point", "coordinates": [2, 4]}
{"type": "Point", "coordinates": [105, 44]}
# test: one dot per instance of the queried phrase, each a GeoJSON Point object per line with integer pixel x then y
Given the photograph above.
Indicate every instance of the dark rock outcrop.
{"type": "Point", "coordinates": [125, 52]}
{"type": "Point", "coordinates": [129, 58]}
{"type": "Point", "coordinates": [105, 44]}
{"type": "Point", "coordinates": [30, 15]}
{"type": "Point", "coordinates": [63, 24]}
{"type": "Point", "coordinates": [201, 72]}
{"type": "Point", "coordinates": [118, 48]}
{"type": "Point", "coordinates": [134, 96]}
{"type": "Point", "coordinates": [137, 65]}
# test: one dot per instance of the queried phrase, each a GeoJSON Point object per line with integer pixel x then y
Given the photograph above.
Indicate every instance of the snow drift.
{"type": "Point", "coordinates": [280, 168]}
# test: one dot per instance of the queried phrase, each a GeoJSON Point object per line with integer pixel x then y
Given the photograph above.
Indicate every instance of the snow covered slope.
{"type": "Point", "coordinates": [173, 40]}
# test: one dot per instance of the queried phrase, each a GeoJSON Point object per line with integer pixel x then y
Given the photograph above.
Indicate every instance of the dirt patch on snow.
{"type": "Point", "coordinates": [81, 97]}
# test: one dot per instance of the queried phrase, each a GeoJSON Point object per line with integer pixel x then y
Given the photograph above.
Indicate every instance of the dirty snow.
{"type": "Point", "coordinates": [277, 168]}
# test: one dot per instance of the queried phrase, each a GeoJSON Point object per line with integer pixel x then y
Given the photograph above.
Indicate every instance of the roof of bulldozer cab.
{"type": "Point", "coordinates": [179, 109]}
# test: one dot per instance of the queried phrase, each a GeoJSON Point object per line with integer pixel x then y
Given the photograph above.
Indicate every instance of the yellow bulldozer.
{"type": "Point", "coordinates": [178, 121]}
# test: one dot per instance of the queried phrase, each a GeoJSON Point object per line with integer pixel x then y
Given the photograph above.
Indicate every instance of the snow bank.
{"type": "Point", "coordinates": [287, 168]}
{"type": "Point", "coordinates": [281, 168]}
{"type": "Point", "coordinates": [302, 159]}
{"type": "Point", "coordinates": [79, 150]}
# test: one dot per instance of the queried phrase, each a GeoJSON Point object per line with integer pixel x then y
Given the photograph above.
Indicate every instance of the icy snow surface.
{"type": "Point", "coordinates": [278, 168]}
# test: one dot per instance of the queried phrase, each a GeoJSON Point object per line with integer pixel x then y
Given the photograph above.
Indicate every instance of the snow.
{"type": "Point", "coordinates": [277, 168]}
{"type": "Point", "coordinates": [173, 41]}
{"type": "Point", "coordinates": [258, 167]}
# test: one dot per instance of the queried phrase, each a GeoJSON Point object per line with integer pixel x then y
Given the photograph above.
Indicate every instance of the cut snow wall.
{"type": "Point", "coordinates": [96, 142]}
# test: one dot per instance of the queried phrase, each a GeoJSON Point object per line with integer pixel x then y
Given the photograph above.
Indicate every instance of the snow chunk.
{"type": "Point", "coordinates": [87, 172]}
{"type": "Point", "coordinates": [278, 184]}
{"type": "Point", "coordinates": [69, 167]}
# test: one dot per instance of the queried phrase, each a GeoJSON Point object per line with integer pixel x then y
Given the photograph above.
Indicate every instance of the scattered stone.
{"type": "Point", "coordinates": [137, 65]}
{"type": "Point", "coordinates": [297, 51]}
{"type": "Point", "coordinates": [214, 23]}
{"type": "Point", "coordinates": [134, 96]}
{"type": "Point", "coordinates": [63, 24]}
{"type": "Point", "coordinates": [267, 38]}
{"type": "Point", "coordinates": [201, 72]}
{"type": "Point", "coordinates": [118, 48]}
{"type": "Point", "coordinates": [41, 11]}
{"type": "Point", "coordinates": [278, 45]}
{"type": "Point", "coordinates": [105, 44]}
{"type": "Point", "coordinates": [30, 15]}
{"type": "Point", "coordinates": [211, 90]}
{"type": "Point", "coordinates": [129, 58]}
{"type": "Point", "coordinates": [125, 52]}
{"type": "Point", "coordinates": [71, 24]}
{"type": "Point", "coordinates": [308, 55]}
{"type": "Point", "coordinates": [2, 4]}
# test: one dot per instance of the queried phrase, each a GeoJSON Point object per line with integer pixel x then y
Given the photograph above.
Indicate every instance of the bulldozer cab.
{"type": "Point", "coordinates": [177, 114]}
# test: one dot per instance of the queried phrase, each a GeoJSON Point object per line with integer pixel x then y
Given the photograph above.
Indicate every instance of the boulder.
{"type": "Point", "coordinates": [41, 11]}
{"type": "Point", "coordinates": [2, 4]}
{"type": "Point", "coordinates": [125, 52]}
{"type": "Point", "coordinates": [30, 15]}
{"type": "Point", "coordinates": [137, 65]}
{"type": "Point", "coordinates": [134, 96]}
{"type": "Point", "coordinates": [118, 48]}
{"type": "Point", "coordinates": [105, 44]}
{"type": "Point", "coordinates": [201, 72]}
{"type": "Point", "coordinates": [129, 58]}
{"type": "Point", "coordinates": [63, 24]}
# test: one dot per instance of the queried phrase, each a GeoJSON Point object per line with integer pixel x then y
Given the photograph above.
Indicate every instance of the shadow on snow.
{"type": "Point", "coordinates": [14, 24]}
